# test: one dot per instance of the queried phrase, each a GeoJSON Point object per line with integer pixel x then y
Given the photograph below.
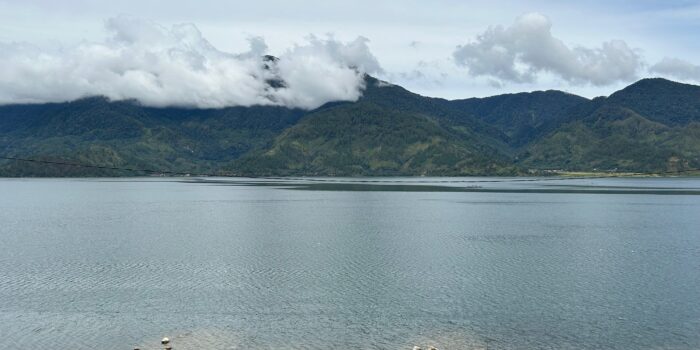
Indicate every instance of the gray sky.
{"type": "Point", "coordinates": [444, 48]}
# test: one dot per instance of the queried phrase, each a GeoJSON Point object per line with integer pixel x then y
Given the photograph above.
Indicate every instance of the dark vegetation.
{"type": "Point", "coordinates": [650, 126]}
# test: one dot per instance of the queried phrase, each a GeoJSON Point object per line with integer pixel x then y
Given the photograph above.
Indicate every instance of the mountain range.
{"type": "Point", "coordinates": [650, 126]}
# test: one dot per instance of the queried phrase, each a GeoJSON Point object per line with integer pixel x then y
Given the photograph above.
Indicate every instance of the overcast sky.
{"type": "Point", "coordinates": [56, 50]}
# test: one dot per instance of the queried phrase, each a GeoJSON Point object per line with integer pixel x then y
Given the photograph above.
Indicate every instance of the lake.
{"type": "Point", "coordinates": [371, 263]}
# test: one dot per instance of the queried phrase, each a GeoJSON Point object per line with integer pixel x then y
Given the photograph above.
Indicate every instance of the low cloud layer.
{"type": "Point", "coordinates": [521, 52]}
{"type": "Point", "coordinates": [676, 68]}
{"type": "Point", "coordinates": [177, 66]}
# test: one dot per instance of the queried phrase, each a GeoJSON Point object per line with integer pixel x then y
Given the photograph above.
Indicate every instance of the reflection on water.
{"type": "Point", "coordinates": [677, 186]}
{"type": "Point", "coordinates": [458, 263]}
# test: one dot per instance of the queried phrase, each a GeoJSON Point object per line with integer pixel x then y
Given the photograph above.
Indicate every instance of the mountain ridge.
{"type": "Point", "coordinates": [652, 125]}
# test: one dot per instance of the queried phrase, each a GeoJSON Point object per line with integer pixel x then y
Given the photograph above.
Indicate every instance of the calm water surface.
{"type": "Point", "coordinates": [350, 264]}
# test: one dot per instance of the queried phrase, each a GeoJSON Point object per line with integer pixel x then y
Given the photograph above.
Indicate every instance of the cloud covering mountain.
{"type": "Point", "coordinates": [177, 66]}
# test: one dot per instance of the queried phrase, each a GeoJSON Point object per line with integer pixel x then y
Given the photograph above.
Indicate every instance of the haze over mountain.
{"type": "Point", "coordinates": [652, 125]}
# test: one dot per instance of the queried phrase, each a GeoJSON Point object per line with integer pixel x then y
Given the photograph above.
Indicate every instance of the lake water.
{"type": "Point", "coordinates": [460, 263]}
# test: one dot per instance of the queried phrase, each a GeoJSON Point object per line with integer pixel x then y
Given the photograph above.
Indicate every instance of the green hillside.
{"type": "Point", "coordinates": [525, 116]}
{"type": "Point", "coordinates": [617, 139]}
{"type": "Point", "coordinates": [365, 139]}
{"type": "Point", "coordinates": [124, 134]}
{"type": "Point", "coordinates": [651, 126]}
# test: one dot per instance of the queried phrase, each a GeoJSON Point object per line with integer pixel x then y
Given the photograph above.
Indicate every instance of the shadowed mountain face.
{"type": "Point", "coordinates": [525, 116]}
{"type": "Point", "coordinates": [661, 100]}
{"type": "Point", "coordinates": [650, 126]}
{"type": "Point", "coordinates": [365, 139]}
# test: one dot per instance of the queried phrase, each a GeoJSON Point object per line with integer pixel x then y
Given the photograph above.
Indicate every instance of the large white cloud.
{"type": "Point", "coordinates": [676, 68]}
{"type": "Point", "coordinates": [177, 66]}
{"type": "Point", "coordinates": [521, 52]}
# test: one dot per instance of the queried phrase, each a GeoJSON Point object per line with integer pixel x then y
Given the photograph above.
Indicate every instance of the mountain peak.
{"type": "Point", "coordinates": [388, 131]}
{"type": "Point", "coordinates": [658, 86]}
{"type": "Point", "coordinates": [661, 100]}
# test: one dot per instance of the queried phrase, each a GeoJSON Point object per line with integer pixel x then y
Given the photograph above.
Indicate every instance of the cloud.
{"type": "Point", "coordinates": [676, 68]}
{"type": "Point", "coordinates": [521, 52]}
{"type": "Point", "coordinates": [162, 66]}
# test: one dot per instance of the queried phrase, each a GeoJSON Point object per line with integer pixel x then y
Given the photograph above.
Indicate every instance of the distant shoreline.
{"type": "Point", "coordinates": [562, 175]}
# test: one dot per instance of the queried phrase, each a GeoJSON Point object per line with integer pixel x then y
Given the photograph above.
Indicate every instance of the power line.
{"type": "Point", "coordinates": [177, 173]}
